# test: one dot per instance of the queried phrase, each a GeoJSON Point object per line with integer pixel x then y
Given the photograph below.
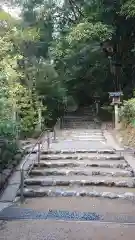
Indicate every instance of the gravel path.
{"type": "Point", "coordinates": [52, 230]}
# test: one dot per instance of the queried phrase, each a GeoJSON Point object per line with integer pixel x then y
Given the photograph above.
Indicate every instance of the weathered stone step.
{"type": "Point", "coordinates": [82, 172]}
{"type": "Point", "coordinates": [89, 138]}
{"type": "Point", "coordinates": [83, 133]}
{"type": "Point", "coordinates": [83, 163]}
{"type": "Point", "coordinates": [79, 121]}
{"type": "Point", "coordinates": [77, 117]}
{"type": "Point", "coordinates": [88, 134]}
{"type": "Point", "coordinates": [82, 181]}
{"type": "Point", "coordinates": [81, 156]}
{"type": "Point", "coordinates": [84, 136]}
{"type": "Point", "coordinates": [79, 126]}
{"type": "Point", "coordinates": [67, 151]}
{"type": "Point", "coordinates": [104, 192]}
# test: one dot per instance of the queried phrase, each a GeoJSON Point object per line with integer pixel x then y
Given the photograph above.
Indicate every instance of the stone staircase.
{"type": "Point", "coordinates": [81, 164]}
{"type": "Point", "coordinates": [83, 119]}
{"type": "Point", "coordinates": [81, 173]}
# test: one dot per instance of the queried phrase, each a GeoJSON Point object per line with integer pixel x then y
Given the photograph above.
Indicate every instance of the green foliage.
{"type": "Point", "coordinates": [17, 114]}
{"type": "Point", "coordinates": [127, 112]}
{"type": "Point", "coordinates": [128, 9]}
{"type": "Point", "coordinates": [26, 110]}
{"type": "Point", "coordinates": [7, 153]}
{"type": "Point", "coordinates": [77, 53]}
{"type": "Point", "coordinates": [8, 129]}
{"type": "Point", "coordinates": [86, 31]}
{"type": "Point", "coordinates": [69, 35]}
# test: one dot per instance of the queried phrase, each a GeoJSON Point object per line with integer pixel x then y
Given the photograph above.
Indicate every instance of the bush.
{"type": "Point", "coordinates": [8, 144]}
{"type": "Point", "coordinates": [8, 149]}
{"type": "Point", "coordinates": [127, 112]}
{"type": "Point", "coordinates": [127, 120]}
{"type": "Point", "coordinates": [8, 129]}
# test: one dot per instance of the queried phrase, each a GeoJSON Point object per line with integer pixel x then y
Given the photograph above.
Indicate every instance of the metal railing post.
{"type": "Point", "coordinates": [22, 177]}
{"type": "Point", "coordinates": [54, 134]}
{"type": "Point", "coordinates": [61, 123]}
{"type": "Point", "coordinates": [39, 152]}
{"type": "Point", "coordinates": [22, 186]}
{"type": "Point", "coordinates": [48, 140]}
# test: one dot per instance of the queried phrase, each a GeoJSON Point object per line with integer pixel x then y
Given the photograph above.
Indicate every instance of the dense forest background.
{"type": "Point", "coordinates": [61, 53]}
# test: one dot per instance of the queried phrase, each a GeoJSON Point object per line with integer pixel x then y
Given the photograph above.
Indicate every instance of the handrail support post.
{"type": "Point", "coordinates": [54, 134]}
{"type": "Point", "coordinates": [48, 140]}
{"type": "Point", "coordinates": [39, 152]}
{"type": "Point", "coordinates": [22, 186]}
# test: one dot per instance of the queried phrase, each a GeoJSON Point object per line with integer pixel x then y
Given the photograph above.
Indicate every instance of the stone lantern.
{"type": "Point", "coordinates": [116, 101]}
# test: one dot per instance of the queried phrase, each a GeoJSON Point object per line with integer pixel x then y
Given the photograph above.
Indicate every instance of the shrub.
{"type": "Point", "coordinates": [127, 112]}
{"type": "Point", "coordinates": [8, 144]}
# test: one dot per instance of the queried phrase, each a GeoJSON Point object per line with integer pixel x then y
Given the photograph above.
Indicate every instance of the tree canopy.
{"type": "Point", "coordinates": [60, 50]}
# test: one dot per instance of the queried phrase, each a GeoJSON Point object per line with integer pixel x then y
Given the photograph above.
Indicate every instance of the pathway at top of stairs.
{"type": "Point", "coordinates": [81, 133]}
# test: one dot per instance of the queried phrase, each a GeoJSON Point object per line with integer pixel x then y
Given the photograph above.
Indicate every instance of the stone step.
{"type": "Point", "coordinates": [82, 172]}
{"type": "Point", "coordinates": [81, 124]}
{"type": "Point", "coordinates": [84, 131]}
{"type": "Point", "coordinates": [90, 138]}
{"type": "Point", "coordinates": [67, 151]}
{"type": "Point", "coordinates": [81, 156]}
{"type": "Point", "coordinates": [83, 163]}
{"type": "Point", "coordinates": [86, 134]}
{"type": "Point", "coordinates": [79, 121]}
{"type": "Point", "coordinates": [104, 192]}
{"type": "Point", "coordinates": [71, 126]}
{"type": "Point", "coordinates": [81, 181]}
{"type": "Point", "coordinates": [83, 136]}
{"type": "Point", "coordinates": [85, 139]}
{"type": "Point", "coordinates": [85, 119]}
